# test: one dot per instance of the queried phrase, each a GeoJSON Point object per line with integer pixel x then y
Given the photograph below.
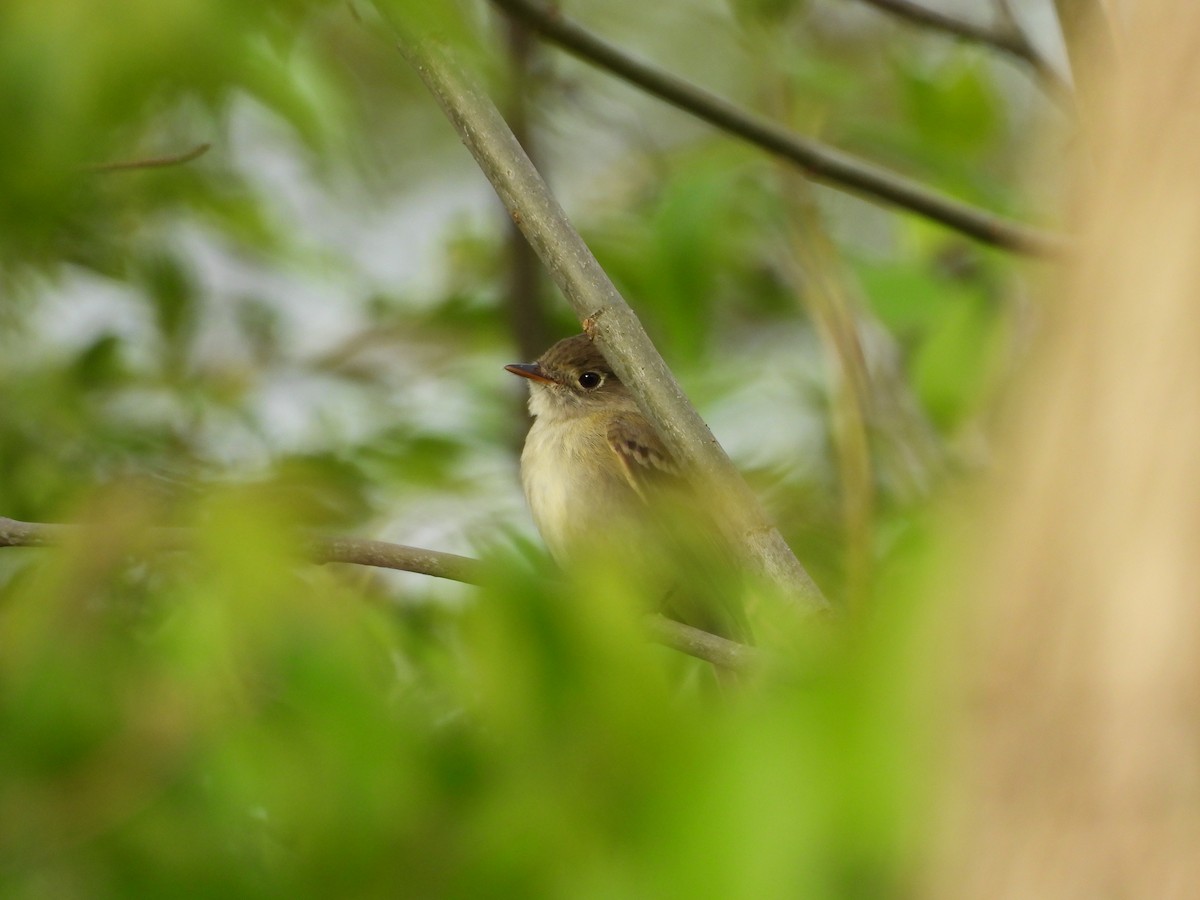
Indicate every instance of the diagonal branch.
{"type": "Point", "coordinates": [606, 316]}
{"type": "Point", "coordinates": [360, 551]}
{"type": "Point", "coordinates": [818, 160]}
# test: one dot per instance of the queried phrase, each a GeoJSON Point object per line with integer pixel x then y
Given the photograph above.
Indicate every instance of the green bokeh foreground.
{"type": "Point", "coordinates": [232, 721]}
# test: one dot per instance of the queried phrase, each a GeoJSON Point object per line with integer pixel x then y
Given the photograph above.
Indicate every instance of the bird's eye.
{"type": "Point", "coordinates": [590, 380]}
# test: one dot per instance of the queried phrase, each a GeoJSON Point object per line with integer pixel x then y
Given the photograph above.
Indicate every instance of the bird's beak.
{"type": "Point", "coordinates": [532, 371]}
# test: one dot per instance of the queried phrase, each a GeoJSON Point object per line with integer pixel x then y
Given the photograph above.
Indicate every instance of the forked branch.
{"type": "Point", "coordinates": [819, 161]}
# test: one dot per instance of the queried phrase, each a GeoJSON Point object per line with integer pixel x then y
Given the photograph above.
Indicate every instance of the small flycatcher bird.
{"type": "Point", "coordinates": [599, 480]}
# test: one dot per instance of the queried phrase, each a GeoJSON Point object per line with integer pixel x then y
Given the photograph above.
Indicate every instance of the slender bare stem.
{"type": "Point", "coordinates": [361, 551]}
{"type": "Point", "coordinates": [1007, 37]}
{"type": "Point", "coordinates": [701, 644]}
{"type": "Point", "coordinates": [365, 552]}
{"type": "Point", "coordinates": [819, 161]}
{"type": "Point", "coordinates": [605, 314]}
{"type": "Point", "coordinates": [153, 162]}
{"type": "Point", "coordinates": [1004, 39]}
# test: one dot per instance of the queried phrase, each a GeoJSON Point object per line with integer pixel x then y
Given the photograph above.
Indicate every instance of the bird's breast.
{"type": "Point", "coordinates": [573, 481]}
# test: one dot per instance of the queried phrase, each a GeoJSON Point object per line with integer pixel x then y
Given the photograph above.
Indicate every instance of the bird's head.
{"type": "Point", "coordinates": [572, 378]}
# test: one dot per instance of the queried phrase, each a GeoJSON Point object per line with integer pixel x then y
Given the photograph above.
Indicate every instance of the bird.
{"type": "Point", "coordinates": [601, 483]}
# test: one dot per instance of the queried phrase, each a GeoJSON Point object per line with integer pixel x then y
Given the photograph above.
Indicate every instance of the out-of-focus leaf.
{"type": "Point", "coordinates": [766, 11]}
{"type": "Point", "coordinates": [99, 364]}
{"type": "Point", "coordinates": [401, 454]}
{"type": "Point", "coordinates": [954, 105]}
{"type": "Point", "coordinates": [319, 491]}
{"type": "Point", "coordinates": [673, 262]}
{"type": "Point", "coordinates": [955, 366]}
{"type": "Point", "coordinates": [171, 290]}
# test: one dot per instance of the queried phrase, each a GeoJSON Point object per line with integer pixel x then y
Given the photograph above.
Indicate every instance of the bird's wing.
{"type": "Point", "coordinates": [682, 527]}
{"type": "Point", "coordinates": [644, 458]}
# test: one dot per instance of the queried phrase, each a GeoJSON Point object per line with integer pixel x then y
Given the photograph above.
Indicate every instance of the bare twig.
{"type": "Point", "coordinates": [153, 162]}
{"type": "Point", "coordinates": [1007, 37]}
{"type": "Point", "coordinates": [1002, 39]}
{"type": "Point", "coordinates": [818, 160]}
{"type": "Point", "coordinates": [701, 644]}
{"type": "Point", "coordinates": [381, 554]}
{"type": "Point", "coordinates": [360, 551]}
{"type": "Point", "coordinates": [606, 315]}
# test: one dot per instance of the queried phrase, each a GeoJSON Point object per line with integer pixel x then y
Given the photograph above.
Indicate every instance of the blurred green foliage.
{"type": "Point", "coordinates": [233, 722]}
{"type": "Point", "coordinates": [239, 345]}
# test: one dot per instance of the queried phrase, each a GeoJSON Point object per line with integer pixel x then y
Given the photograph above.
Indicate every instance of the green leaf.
{"type": "Point", "coordinates": [953, 105]}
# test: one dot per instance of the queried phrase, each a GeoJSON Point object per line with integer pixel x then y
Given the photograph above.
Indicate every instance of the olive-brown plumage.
{"type": "Point", "coordinates": [598, 478]}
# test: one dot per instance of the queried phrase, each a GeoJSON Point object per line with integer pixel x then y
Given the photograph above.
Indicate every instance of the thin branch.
{"type": "Point", "coordinates": [1008, 37]}
{"type": "Point", "coordinates": [153, 162]}
{"type": "Point", "coordinates": [1003, 39]}
{"type": "Point", "coordinates": [384, 555]}
{"type": "Point", "coordinates": [818, 160]}
{"type": "Point", "coordinates": [701, 644]}
{"type": "Point", "coordinates": [363, 552]}
{"type": "Point", "coordinates": [606, 315]}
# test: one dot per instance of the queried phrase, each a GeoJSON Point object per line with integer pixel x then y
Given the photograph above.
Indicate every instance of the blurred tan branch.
{"type": "Point", "coordinates": [382, 554]}
{"type": "Point", "coordinates": [820, 162]}
{"type": "Point", "coordinates": [1078, 646]}
{"type": "Point", "coordinates": [605, 314]}
{"type": "Point", "coordinates": [919, 14]}
{"type": "Point", "coordinates": [153, 162]}
{"type": "Point", "coordinates": [1090, 44]}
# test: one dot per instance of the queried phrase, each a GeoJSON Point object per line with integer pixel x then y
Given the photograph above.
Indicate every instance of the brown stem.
{"type": "Point", "coordinates": [153, 162]}
{"type": "Point", "coordinates": [528, 318]}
